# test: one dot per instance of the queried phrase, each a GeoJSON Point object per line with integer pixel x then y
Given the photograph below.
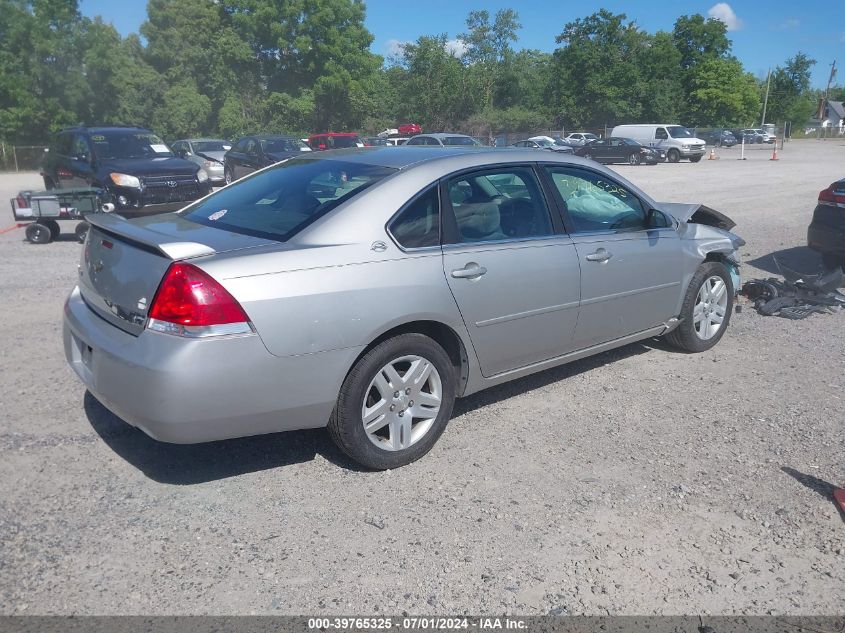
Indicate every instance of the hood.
{"type": "Point", "coordinates": [146, 166]}
{"type": "Point", "coordinates": [697, 214]}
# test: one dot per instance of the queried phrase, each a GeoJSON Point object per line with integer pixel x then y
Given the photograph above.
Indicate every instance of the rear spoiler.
{"type": "Point", "coordinates": [697, 214]}
{"type": "Point", "coordinates": [120, 228]}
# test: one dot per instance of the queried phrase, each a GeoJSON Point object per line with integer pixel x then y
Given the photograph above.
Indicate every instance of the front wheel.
{"type": "Point", "coordinates": [706, 310]}
{"type": "Point", "coordinates": [38, 233]}
{"type": "Point", "coordinates": [395, 402]}
{"type": "Point", "coordinates": [673, 156]}
{"type": "Point", "coordinates": [633, 159]}
{"type": "Point", "coordinates": [694, 159]}
{"type": "Point", "coordinates": [228, 176]}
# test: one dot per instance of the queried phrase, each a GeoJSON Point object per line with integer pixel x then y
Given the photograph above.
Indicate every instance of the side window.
{"type": "Point", "coordinates": [661, 134]}
{"type": "Point", "coordinates": [241, 145]}
{"type": "Point", "coordinates": [415, 141]}
{"type": "Point", "coordinates": [80, 146]}
{"type": "Point", "coordinates": [418, 224]}
{"type": "Point", "coordinates": [63, 144]}
{"type": "Point", "coordinates": [499, 205]}
{"type": "Point", "coordinates": [251, 146]}
{"type": "Point", "coordinates": [596, 203]}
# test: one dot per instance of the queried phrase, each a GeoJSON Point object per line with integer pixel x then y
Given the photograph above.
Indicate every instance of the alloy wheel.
{"type": "Point", "coordinates": [710, 308]}
{"type": "Point", "coordinates": [402, 402]}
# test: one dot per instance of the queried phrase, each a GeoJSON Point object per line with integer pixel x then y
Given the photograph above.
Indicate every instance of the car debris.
{"type": "Point", "coordinates": [798, 295]}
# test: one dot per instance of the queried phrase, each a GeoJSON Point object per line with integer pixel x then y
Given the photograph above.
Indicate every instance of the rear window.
{"type": "Point", "coordinates": [279, 202]}
{"type": "Point", "coordinates": [459, 140]}
{"type": "Point", "coordinates": [339, 142]}
{"type": "Point", "coordinates": [271, 145]}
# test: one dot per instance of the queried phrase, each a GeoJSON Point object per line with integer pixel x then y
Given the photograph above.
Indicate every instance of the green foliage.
{"type": "Point", "coordinates": [232, 67]}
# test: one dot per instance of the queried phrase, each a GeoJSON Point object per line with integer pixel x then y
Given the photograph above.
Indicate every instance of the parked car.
{"type": "Point", "coordinates": [826, 233]}
{"type": "Point", "coordinates": [251, 153]}
{"type": "Point", "coordinates": [374, 141]}
{"type": "Point", "coordinates": [334, 140]}
{"type": "Point", "coordinates": [717, 138]}
{"type": "Point", "coordinates": [580, 138]}
{"type": "Point", "coordinates": [134, 167]}
{"type": "Point", "coordinates": [620, 150]}
{"type": "Point", "coordinates": [365, 291]}
{"type": "Point", "coordinates": [676, 140]}
{"type": "Point", "coordinates": [208, 153]}
{"type": "Point", "coordinates": [544, 142]}
{"type": "Point", "coordinates": [409, 129]}
{"type": "Point", "coordinates": [751, 136]}
{"type": "Point", "coordinates": [764, 135]}
{"type": "Point", "coordinates": [443, 139]}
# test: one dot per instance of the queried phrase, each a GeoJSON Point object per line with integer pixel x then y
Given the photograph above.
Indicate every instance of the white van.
{"type": "Point", "coordinates": [677, 140]}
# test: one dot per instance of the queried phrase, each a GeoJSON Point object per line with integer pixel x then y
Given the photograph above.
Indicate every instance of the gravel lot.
{"type": "Point", "coordinates": [640, 481]}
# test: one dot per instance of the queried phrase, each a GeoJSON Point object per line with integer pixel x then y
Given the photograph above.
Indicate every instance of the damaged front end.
{"type": "Point", "coordinates": [706, 234]}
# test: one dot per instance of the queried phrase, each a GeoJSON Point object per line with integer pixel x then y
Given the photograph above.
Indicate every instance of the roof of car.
{"type": "Point", "coordinates": [444, 134]}
{"type": "Point", "coordinates": [202, 140]}
{"type": "Point", "coordinates": [333, 134]}
{"type": "Point", "coordinates": [104, 128]}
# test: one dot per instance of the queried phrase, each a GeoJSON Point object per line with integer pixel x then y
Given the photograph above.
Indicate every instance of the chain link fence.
{"type": "Point", "coordinates": [20, 157]}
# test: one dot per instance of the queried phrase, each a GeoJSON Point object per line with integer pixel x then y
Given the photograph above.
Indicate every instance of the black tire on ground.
{"type": "Point", "coordinates": [694, 159]}
{"type": "Point", "coordinates": [55, 229]}
{"type": "Point", "coordinates": [673, 156]}
{"type": "Point", "coordinates": [48, 183]}
{"type": "Point", "coordinates": [81, 231]}
{"type": "Point", "coordinates": [228, 176]}
{"type": "Point", "coordinates": [38, 233]}
{"type": "Point", "coordinates": [346, 425]}
{"type": "Point", "coordinates": [830, 260]}
{"type": "Point", "coordinates": [684, 337]}
{"type": "Point", "coordinates": [634, 159]}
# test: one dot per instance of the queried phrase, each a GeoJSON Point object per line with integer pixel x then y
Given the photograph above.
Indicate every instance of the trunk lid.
{"type": "Point", "coordinates": [124, 261]}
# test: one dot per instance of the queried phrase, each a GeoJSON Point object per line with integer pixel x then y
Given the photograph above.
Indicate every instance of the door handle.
{"type": "Point", "coordinates": [470, 271]}
{"type": "Point", "coordinates": [601, 255]}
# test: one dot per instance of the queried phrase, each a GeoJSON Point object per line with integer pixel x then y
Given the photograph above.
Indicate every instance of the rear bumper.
{"type": "Point", "coordinates": [189, 391]}
{"type": "Point", "coordinates": [826, 237]}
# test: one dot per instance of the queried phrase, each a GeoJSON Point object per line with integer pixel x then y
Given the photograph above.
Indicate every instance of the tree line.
{"type": "Point", "coordinates": [232, 67]}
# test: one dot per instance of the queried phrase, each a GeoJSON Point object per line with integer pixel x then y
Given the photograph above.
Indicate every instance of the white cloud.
{"type": "Point", "coordinates": [789, 24]}
{"type": "Point", "coordinates": [456, 48]}
{"type": "Point", "coordinates": [394, 48]}
{"type": "Point", "coordinates": [723, 11]}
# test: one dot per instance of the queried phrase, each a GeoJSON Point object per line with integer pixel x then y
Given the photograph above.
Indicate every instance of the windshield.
{"type": "Point", "coordinates": [560, 141]}
{"type": "Point", "coordinates": [128, 144]}
{"type": "Point", "coordinates": [211, 146]}
{"type": "Point", "coordinates": [677, 131]}
{"type": "Point", "coordinates": [543, 142]}
{"type": "Point", "coordinates": [276, 145]}
{"type": "Point", "coordinates": [277, 203]}
{"type": "Point", "coordinates": [460, 140]}
{"type": "Point", "coordinates": [632, 142]}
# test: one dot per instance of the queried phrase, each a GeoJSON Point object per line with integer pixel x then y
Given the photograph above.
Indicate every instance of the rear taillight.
{"type": "Point", "coordinates": [831, 196]}
{"type": "Point", "coordinates": [20, 202]}
{"type": "Point", "coordinates": [190, 303]}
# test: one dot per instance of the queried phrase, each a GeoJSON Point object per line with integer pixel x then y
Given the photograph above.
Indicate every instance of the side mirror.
{"type": "Point", "coordinates": [657, 219]}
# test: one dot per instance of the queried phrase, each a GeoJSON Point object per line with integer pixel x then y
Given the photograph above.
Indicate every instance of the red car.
{"type": "Point", "coordinates": [409, 129]}
{"type": "Point", "coordinates": [334, 140]}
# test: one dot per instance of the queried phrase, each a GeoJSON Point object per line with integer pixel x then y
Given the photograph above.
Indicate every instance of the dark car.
{"type": "Point", "coordinates": [718, 138]}
{"type": "Point", "coordinates": [620, 150]}
{"type": "Point", "coordinates": [252, 153]}
{"type": "Point", "coordinates": [134, 167]}
{"type": "Point", "coordinates": [826, 233]}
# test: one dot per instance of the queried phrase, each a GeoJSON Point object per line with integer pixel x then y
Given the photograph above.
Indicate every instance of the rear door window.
{"type": "Point", "coordinates": [279, 202]}
{"type": "Point", "coordinates": [418, 224]}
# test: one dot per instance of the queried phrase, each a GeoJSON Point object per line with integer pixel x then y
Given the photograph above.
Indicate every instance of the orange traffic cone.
{"type": "Point", "coordinates": [713, 153]}
{"type": "Point", "coordinates": [775, 151]}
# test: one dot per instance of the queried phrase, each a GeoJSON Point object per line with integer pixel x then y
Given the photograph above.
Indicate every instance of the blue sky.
{"type": "Point", "coordinates": [764, 34]}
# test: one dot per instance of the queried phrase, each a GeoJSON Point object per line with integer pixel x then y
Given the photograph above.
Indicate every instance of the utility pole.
{"type": "Point", "coordinates": [766, 100]}
{"type": "Point", "coordinates": [830, 81]}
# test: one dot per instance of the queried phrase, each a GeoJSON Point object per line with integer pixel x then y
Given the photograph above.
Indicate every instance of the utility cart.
{"type": "Point", "coordinates": [45, 209]}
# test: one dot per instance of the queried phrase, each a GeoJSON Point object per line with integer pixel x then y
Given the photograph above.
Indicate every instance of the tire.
{"type": "Point", "coordinates": [831, 261]}
{"type": "Point", "coordinates": [634, 159]}
{"type": "Point", "coordinates": [382, 448]}
{"type": "Point", "coordinates": [694, 159]}
{"type": "Point", "coordinates": [48, 183]}
{"type": "Point", "coordinates": [38, 233]}
{"type": "Point", "coordinates": [687, 336]}
{"type": "Point", "coordinates": [228, 176]}
{"type": "Point", "coordinates": [55, 229]}
{"type": "Point", "coordinates": [673, 156]}
{"type": "Point", "coordinates": [81, 231]}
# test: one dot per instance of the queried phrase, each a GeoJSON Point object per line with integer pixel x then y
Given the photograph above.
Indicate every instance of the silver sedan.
{"type": "Point", "coordinates": [366, 289]}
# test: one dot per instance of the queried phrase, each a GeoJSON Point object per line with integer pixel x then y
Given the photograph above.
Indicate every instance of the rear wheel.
{"type": "Point", "coordinates": [38, 233]}
{"type": "Point", "coordinates": [82, 231]}
{"type": "Point", "coordinates": [673, 156]}
{"type": "Point", "coordinates": [395, 402]}
{"type": "Point", "coordinates": [706, 311]}
{"type": "Point", "coordinates": [55, 229]}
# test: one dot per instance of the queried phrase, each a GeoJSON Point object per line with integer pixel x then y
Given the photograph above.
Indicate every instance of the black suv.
{"type": "Point", "coordinates": [132, 165]}
{"type": "Point", "coordinates": [251, 153]}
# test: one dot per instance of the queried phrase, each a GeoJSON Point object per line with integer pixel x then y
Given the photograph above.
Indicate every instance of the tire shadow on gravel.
{"type": "Point", "coordinates": [187, 464]}
{"type": "Point", "coordinates": [562, 372]}
{"type": "Point", "coordinates": [798, 258]}
{"type": "Point", "coordinates": [815, 484]}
